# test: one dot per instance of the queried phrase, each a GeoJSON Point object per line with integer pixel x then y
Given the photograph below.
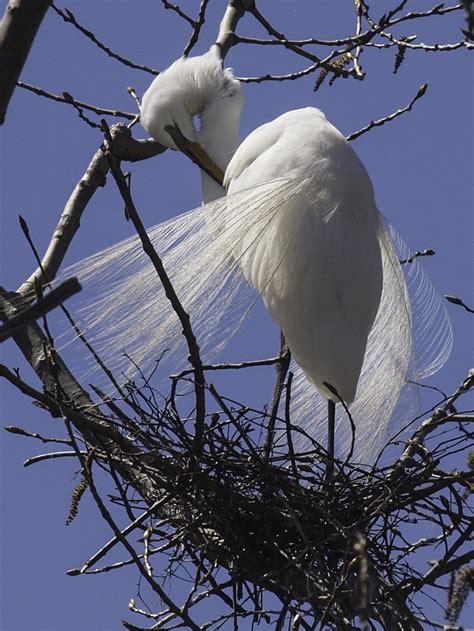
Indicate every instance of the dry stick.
{"type": "Point", "coordinates": [194, 353]}
{"type": "Point", "coordinates": [381, 121]}
{"type": "Point", "coordinates": [13, 429]}
{"type": "Point", "coordinates": [363, 38]}
{"type": "Point", "coordinates": [69, 222]}
{"type": "Point", "coordinates": [69, 100]}
{"type": "Point", "coordinates": [18, 28]}
{"type": "Point", "coordinates": [431, 424]}
{"type": "Point", "coordinates": [410, 259]}
{"type": "Point", "coordinates": [248, 364]}
{"type": "Point", "coordinates": [318, 62]}
{"type": "Point", "coordinates": [53, 299]}
{"type": "Point", "coordinates": [282, 369]}
{"type": "Point", "coordinates": [457, 301]}
{"type": "Point", "coordinates": [126, 531]}
{"type": "Point", "coordinates": [70, 18]}
{"type": "Point", "coordinates": [289, 439]}
{"type": "Point", "coordinates": [32, 343]}
{"type": "Point", "coordinates": [177, 9]}
{"type": "Point", "coordinates": [80, 334]}
{"type": "Point", "coordinates": [51, 456]}
{"type": "Point", "coordinates": [197, 28]}
{"type": "Point", "coordinates": [87, 470]}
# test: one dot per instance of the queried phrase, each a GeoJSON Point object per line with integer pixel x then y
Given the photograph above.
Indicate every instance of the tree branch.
{"type": "Point", "coordinates": [127, 148]}
{"type": "Point", "coordinates": [70, 18]}
{"type": "Point", "coordinates": [18, 28]}
{"type": "Point", "coordinates": [381, 121]}
{"type": "Point", "coordinates": [193, 347]}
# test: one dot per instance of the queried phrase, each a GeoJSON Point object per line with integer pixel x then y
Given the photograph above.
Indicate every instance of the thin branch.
{"type": "Point", "coordinates": [457, 301]}
{"type": "Point", "coordinates": [381, 121]}
{"type": "Point", "coordinates": [254, 363]}
{"type": "Point", "coordinates": [281, 371]}
{"type": "Point", "coordinates": [43, 306]}
{"type": "Point", "coordinates": [127, 148]}
{"type": "Point", "coordinates": [69, 100]}
{"type": "Point", "coordinates": [414, 256]}
{"type": "Point", "coordinates": [430, 424]}
{"type": "Point", "coordinates": [51, 456]}
{"type": "Point", "coordinates": [13, 429]}
{"type": "Point", "coordinates": [70, 18]}
{"type": "Point", "coordinates": [87, 469]}
{"type": "Point", "coordinates": [193, 347]}
{"type": "Point", "coordinates": [177, 9]}
{"type": "Point", "coordinates": [292, 76]}
{"type": "Point", "coordinates": [198, 24]}
{"type": "Point", "coordinates": [126, 531]}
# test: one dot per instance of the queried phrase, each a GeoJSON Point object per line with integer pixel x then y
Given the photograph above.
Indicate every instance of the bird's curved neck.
{"type": "Point", "coordinates": [219, 135]}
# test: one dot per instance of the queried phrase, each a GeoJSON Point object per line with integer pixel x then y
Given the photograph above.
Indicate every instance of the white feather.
{"type": "Point", "coordinates": [300, 228]}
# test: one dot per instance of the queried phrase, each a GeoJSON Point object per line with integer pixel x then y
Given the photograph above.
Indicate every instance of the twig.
{"type": "Point", "coordinates": [248, 364]}
{"type": "Point", "coordinates": [177, 9]}
{"type": "Point", "coordinates": [70, 100]}
{"type": "Point", "coordinates": [281, 370]}
{"type": "Point", "coordinates": [44, 439]}
{"type": "Point", "coordinates": [457, 301]}
{"type": "Point", "coordinates": [51, 456]}
{"type": "Point", "coordinates": [289, 439]}
{"type": "Point", "coordinates": [43, 306]}
{"type": "Point", "coordinates": [127, 148]}
{"type": "Point", "coordinates": [430, 424]}
{"type": "Point", "coordinates": [87, 469]}
{"type": "Point", "coordinates": [194, 352]}
{"type": "Point", "coordinates": [146, 551]}
{"type": "Point", "coordinates": [411, 258]}
{"type": "Point", "coordinates": [198, 24]}
{"type": "Point", "coordinates": [126, 531]}
{"type": "Point", "coordinates": [381, 121]}
{"type": "Point", "coordinates": [69, 17]}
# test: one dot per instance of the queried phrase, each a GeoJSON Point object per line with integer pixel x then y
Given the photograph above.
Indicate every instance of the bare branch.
{"type": "Point", "coordinates": [70, 18]}
{"type": "Point", "coordinates": [51, 456]}
{"type": "Point", "coordinates": [194, 352]}
{"type": "Point", "coordinates": [381, 121]}
{"type": "Point", "coordinates": [70, 100]}
{"type": "Point", "coordinates": [52, 300]}
{"type": "Point", "coordinates": [410, 259]}
{"type": "Point", "coordinates": [234, 12]}
{"type": "Point", "coordinates": [94, 177]}
{"type": "Point", "coordinates": [198, 24]}
{"type": "Point", "coordinates": [177, 9]}
{"type": "Point", "coordinates": [457, 301]}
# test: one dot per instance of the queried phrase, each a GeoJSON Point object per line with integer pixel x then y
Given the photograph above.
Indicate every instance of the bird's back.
{"type": "Point", "coordinates": [317, 262]}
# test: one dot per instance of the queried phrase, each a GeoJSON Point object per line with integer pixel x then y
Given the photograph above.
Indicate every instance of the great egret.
{"type": "Point", "coordinates": [301, 223]}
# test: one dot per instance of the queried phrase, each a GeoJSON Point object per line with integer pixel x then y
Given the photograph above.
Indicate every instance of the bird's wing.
{"type": "Point", "coordinates": [131, 324]}
{"type": "Point", "coordinates": [124, 311]}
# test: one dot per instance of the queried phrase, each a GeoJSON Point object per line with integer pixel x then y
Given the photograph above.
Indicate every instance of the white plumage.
{"type": "Point", "coordinates": [300, 222]}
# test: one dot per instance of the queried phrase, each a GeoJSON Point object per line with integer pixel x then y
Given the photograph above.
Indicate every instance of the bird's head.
{"type": "Point", "coordinates": [190, 87]}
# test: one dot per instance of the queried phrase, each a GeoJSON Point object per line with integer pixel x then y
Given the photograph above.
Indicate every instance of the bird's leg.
{"type": "Point", "coordinates": [330, 447]}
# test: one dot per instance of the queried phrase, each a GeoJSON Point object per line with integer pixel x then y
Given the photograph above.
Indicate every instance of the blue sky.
{"type": "Point", "coordinates": [421, 166]}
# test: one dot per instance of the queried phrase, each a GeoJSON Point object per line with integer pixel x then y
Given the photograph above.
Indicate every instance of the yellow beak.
{"type": "Point", "coordinates": [196, 153]}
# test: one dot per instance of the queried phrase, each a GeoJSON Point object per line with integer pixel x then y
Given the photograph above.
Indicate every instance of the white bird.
{"type": "Point", "coordinates": [301, 223]}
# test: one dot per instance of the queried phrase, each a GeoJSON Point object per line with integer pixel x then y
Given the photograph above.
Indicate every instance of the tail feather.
{"type": "Point", "coordinates": [128, 318]}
